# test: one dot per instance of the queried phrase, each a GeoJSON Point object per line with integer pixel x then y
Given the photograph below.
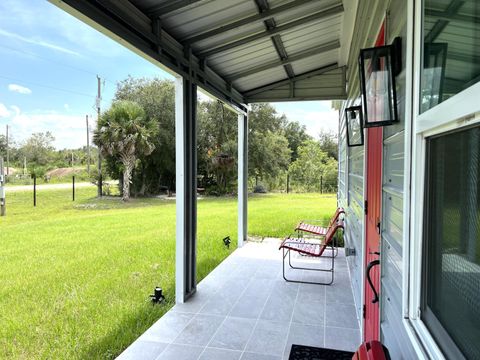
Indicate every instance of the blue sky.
{"type": "Point", "coordinates": [48, 66]}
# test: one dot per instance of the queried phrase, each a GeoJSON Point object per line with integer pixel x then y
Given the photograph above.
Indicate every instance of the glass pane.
{"type": "Point", "coordinates": [453, 239]}
{"type": "Point", "coordinates": [354, 128]}
{"type": "Point", "coordinates": [378, 93]}
{"type": "Point", "coordinates": [451, 53]}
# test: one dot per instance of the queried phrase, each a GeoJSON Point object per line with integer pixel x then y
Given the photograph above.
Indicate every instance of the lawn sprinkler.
{"type": "Point", "coordinates": [227, 241]}
{"type": "Point", "coordinates": [157, 296]}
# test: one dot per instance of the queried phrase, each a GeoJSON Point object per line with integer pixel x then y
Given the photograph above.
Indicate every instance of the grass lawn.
{"type": "Point", "coordinates": [75, 277]}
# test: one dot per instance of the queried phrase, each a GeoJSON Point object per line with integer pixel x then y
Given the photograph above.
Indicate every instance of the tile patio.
{"type": "Point", "coordinates": [245, 310]}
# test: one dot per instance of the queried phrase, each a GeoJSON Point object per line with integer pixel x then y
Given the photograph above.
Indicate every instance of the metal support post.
{"type": "Point", "coordinates": [242, 178]}
{"type": "Point", "coordinates": [34, 190]}
{"type": "Point", "coordinates": [186, 188]}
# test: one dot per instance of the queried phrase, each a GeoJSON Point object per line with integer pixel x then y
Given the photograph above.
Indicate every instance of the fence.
{"type": "Point", "coordinates": [324, 185]}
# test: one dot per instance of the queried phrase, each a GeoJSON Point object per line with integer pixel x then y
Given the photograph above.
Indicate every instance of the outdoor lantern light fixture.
{"type": "Point", "coordinates": [354, 119]}
{"type": "Point", "coordinates": [378, 67]}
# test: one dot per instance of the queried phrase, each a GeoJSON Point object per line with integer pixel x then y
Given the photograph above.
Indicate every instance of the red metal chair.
{"type": "Point", "coordinates": [313, 248]}
{"type": "Point", "coordinates": [318, 229]}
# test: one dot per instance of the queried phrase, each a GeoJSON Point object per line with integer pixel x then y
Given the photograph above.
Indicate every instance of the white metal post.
{"type": "Point", "coordinates": [179, 193]}
{"type": "Point", "coordinates": [186, 188]}
{"type": "Point", "coordinates": [242, 178]}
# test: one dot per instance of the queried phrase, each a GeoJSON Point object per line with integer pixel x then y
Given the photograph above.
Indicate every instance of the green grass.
{"type": "Point", "coordinates": [75, 277]}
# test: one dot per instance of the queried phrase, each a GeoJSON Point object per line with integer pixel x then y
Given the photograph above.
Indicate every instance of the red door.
{"type": "Point", "coordinates": [374, 151]}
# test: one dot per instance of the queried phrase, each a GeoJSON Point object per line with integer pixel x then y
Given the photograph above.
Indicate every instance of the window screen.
{"type": "Point", "coordinates": [451, 272]}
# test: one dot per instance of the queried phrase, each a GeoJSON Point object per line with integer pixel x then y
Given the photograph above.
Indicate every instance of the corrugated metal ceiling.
{"type": "Point", "coordinates": [250, 43]}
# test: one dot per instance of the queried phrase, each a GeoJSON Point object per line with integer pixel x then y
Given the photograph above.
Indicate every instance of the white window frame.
{"type": "Point", "coordinates": [459, 111]}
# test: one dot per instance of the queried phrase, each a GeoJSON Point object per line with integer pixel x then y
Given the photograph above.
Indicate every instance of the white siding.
{"type": "Point", "coordinates": [393, 333]}
{"type": "Point", "coordinates": [355, 222]}
{"type": "Point", "coordinates": [350, 197]}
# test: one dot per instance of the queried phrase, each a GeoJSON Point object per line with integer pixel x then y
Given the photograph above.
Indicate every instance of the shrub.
{"type": "Point", "coordinates": [259, 189]}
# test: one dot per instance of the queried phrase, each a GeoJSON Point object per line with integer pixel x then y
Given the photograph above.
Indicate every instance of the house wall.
{"type": "Point", "coordinates": [351, 194]}
{"type": "Point", "coordinates": [355, 222]}
{"type": "Point", "coordinates": [351, 199]}
{"type": "Point", "coordinates": [393, 333]}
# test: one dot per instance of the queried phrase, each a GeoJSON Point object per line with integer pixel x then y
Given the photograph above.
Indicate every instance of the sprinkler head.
{"type": "Point", "coordinates": [157, 296]}
{"type": "Point", "coordinates": [227, 241]}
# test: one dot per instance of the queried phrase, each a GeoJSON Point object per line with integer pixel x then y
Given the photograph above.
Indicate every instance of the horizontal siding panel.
{"type": "Point", "coordinates": [394, 335]}
{"type": "Point", "coordinates": [394, 160]}
{"type": "Point", "coordinates": [392, 223]}
{"type": "Point", "coordinates": [392, 267]}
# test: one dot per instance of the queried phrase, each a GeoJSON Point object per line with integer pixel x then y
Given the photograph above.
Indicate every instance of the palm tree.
{"type": "Point", "coordinates": [124, 131]}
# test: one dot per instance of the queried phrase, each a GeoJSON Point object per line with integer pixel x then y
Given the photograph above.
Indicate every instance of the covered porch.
{"type": "Point", "coordinates": [244, 309]}
{"type": "Point", "coordinates": [240, 52]}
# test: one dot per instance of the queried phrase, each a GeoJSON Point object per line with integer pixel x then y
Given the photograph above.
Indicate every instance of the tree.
{"type": "Point", "coordinates": [157, 98]}
{"type": "Point", "coordinates": [3, 145]}
{"type": "Point", "coordinates": [126, 132]}
{"type": "Point", "coordinates": [268, 148]}
{"type": "Point", "coordinates": [216, 145]}
{"type": "Point", "coordinates": [312, 165]}
{"type": "Point", "coordinates": [296, 135]}
{"type": "Point", "coordinates": [38, 149]}
{"type": "Point", "coordinates": [329, 143]}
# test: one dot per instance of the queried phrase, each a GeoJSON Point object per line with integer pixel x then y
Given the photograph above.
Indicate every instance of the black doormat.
{"type": "Point", "coordinates": [300, 352]}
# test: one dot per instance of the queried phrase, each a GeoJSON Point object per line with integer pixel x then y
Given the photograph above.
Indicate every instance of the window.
{"type": "Point", "coordinates": [451, 262]}
{"type": "Point", "coordinates": [451, 49]}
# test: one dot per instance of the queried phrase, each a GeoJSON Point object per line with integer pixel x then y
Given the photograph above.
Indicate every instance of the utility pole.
{"type": "Point", "coordinates": [8, 155]}
{"type": "Point", "coordinates": [3, 204]}
{"type": "Point", "coordinates": [99, 98]}
{"type": "Point", "coordinates": [88, 146]}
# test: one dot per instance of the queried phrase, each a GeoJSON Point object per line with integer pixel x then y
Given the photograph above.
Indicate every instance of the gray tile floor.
{"type": "Point", "coordinates": [245, 310]}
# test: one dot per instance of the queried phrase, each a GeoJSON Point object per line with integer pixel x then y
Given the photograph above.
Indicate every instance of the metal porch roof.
{"type": "Point", "coordinates": [239, 50]}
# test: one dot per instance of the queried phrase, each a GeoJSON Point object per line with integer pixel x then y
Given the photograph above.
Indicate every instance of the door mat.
{"type": "Point", "coordinates": [301, 352]}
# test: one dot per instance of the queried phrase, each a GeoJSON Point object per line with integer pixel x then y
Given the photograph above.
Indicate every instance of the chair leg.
{"type": "Point", "coordinates": [331, 270]}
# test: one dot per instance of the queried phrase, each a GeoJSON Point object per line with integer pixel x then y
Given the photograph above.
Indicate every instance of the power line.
{"type": "Point", "coordinates": [54, 61]}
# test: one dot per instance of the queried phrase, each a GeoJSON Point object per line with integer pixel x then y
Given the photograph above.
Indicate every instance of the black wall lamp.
{"type": "Point", "coordinates": [354, 121]}
{"type": "Point", "coordinates": [378, 67]}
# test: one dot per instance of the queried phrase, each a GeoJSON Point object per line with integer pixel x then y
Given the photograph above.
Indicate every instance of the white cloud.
{"type": "Point", "coordinates": [66, 107]}
{"type": "Point", "coordinates": [38, 42]}
{"type": "Point", "coordinates": [69, 130]}
{"type": "Point", "coordinates": [4, 111]}
{"type": "Point", "coordinates": [19, 89]}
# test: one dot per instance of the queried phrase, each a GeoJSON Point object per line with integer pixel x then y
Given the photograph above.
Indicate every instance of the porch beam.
{"type": "Point", "coordinates": [277, 41]}
{"type": "Point", "coordinates": [440, 25]}
{"type": "Point", "coordinates": [170, 7]}
{"type": "Point", "coordinates": [242, 178]}
{"type": "Point", "coordinates": [186, 188]}
{"type": "Point", "coordinates": [443, 15]}
{"type": "Point", "coordinates": [332, 11]}
{"type": "Point", "coordinates": [267, 14]}
{"type": "Point", "coordinates": [303, 76]}
{"type": "Point", "coordinates": [295, 57]}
